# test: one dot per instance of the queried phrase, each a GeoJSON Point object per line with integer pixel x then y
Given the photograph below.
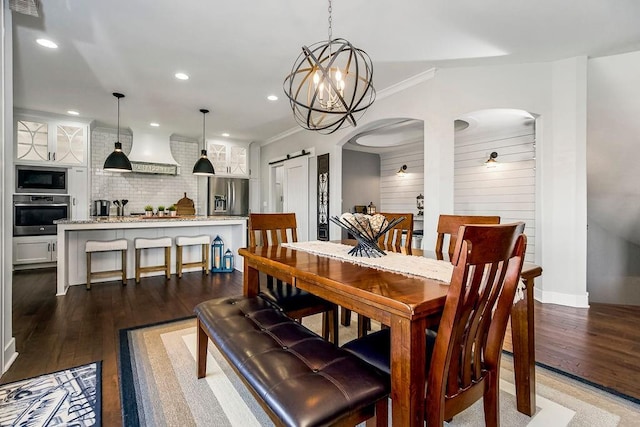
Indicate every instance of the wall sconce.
{"type": "Point", "coordinates": [401, 171]}
{"type": "Point", "coordinates": [491, 161]}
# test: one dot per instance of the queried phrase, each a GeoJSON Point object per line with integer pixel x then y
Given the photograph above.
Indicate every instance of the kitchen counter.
{"type": "Point", "coordinates": [73, 234]}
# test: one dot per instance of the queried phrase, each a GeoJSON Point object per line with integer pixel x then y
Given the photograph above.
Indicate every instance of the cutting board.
{"type": "Point", "coordinates": [185, 206]}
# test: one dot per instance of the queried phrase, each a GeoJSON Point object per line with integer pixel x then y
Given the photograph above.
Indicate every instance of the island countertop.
{"type": "Point", "coordinates": [146, 219]}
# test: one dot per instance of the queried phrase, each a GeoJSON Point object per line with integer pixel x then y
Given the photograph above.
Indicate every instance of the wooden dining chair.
{"type": "Point", "coordinates": [448, 225]}
{"type": "Point", "coordinates": [392, 240]}
{"type": "Point", "coordinates": [271, 229]}
{"type": "Point", "coordinates": [463, 359]}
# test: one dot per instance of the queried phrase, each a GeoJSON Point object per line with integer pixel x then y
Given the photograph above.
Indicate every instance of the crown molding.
{"type": "Point", "coordinates": [384, 93]}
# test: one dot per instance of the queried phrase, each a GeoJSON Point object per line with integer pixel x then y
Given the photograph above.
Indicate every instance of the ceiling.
{"type": "Point", "coordinates": [239, 52]}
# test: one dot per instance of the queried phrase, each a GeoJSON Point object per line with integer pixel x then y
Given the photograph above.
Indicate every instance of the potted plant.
{"type": "Point", "coordinates": [172, 210]}
{"type": "Point", "coordinates": [160, 210]}
{"type": "Point", "coordinates": [148, 210]}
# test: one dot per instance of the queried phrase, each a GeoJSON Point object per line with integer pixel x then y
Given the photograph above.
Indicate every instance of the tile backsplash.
{"type": "Point", "coordinates": [143, 189]}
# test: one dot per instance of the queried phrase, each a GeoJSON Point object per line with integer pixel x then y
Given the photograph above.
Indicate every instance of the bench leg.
{"type": "Point", "coordinates": [381, 418]}
{"type": "Point", "coordinates": [205, 259]}
{"type": "Point", "coordinates": [179, 261]}
{"type": "Point", "coordinates": [203, 340]}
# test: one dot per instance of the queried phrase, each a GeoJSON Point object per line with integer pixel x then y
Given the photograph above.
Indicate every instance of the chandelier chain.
{"type": "Point", "coordinates": [330, 27]}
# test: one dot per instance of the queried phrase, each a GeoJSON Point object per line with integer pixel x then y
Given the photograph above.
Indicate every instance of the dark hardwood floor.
{"type": "Point", "coordinates": [601, 344]}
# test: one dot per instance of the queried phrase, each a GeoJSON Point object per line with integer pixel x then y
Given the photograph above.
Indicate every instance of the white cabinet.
{"type": "Point", "coordinates": [50, 141]}
{"type": "Point", "coordinates": [229, 158]}
{"type": "Point", "coordinates": [79, 192]}
{"type": "Point", "coordinates": [34, 249]}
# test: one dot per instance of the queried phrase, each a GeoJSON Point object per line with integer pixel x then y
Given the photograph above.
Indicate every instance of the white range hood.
{"type": "Point", "coordinates": [151, 152]}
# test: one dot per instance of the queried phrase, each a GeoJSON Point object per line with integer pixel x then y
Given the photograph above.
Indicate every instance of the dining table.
{"type": "Point", "coordinates": [406, 303]}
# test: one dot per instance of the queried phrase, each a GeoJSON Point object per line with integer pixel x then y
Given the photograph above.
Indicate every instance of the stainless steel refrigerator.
{"type": "Point", "coordinates": [228, 196]}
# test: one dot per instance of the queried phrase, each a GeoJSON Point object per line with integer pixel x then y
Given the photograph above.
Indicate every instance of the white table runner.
{"type": "Point", "coordinates": [395, 262]}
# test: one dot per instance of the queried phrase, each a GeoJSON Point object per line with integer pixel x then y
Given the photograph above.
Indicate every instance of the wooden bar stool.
{"type": "Point", "coordinates": [160, 242]}
{"type": "Point", "coordinates": [181, 241]}
{"type": "Point", "coordinates": [106, 246]}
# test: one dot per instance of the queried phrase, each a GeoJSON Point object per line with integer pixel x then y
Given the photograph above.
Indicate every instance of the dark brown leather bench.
{"type": "Point", "coordinates": [298, 378]}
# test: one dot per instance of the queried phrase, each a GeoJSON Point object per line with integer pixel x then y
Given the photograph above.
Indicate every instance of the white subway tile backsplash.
{"type": "Point", "coordinates": [142, 189]}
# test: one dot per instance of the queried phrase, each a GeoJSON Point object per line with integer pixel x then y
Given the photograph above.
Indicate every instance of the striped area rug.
{"type": "Point", "coordinates": [159, 388]}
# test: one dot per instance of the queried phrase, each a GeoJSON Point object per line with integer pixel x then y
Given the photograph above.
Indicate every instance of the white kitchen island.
{"type": "Point", "coordinates": [72, 236]}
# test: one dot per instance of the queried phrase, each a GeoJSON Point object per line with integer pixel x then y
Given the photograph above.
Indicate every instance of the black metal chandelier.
{"type": "Point", "coordinates": [330, 84]}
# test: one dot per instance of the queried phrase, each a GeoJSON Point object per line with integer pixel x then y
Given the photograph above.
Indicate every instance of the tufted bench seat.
{"type": "Point", "coordinates": [298, 378]}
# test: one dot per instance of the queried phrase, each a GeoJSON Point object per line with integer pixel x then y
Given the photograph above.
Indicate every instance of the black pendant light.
{"type": "Point", "coordinates": [117, 161]}
{"type": "Point", "coordinates": [203, 166]}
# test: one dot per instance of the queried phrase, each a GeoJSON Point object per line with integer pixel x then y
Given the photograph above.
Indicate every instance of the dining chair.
{"type": "Point", "coordinates": [463, 359]}
{"type": "Point", "coordinates": [448, 225]}
{"type": "Point", "coordinates": [269, 229]}
{"type": "Point", "coordinates": [392, 241]}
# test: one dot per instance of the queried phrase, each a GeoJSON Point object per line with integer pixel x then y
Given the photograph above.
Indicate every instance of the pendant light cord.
{"type": "Point", "coordinates": [118, 119]}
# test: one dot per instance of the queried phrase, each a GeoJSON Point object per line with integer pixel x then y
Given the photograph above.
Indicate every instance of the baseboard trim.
{"type": "Point", "coordinates": [570, 300]}
{"type": "Point", "coordinates": [10, 354]}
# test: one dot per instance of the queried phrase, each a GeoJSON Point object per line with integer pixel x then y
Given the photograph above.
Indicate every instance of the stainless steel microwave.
{"type": "Point", "coordinates": [41, 179]}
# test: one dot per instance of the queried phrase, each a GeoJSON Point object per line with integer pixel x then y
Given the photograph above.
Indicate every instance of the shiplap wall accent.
{"type": "Point", "coordinates": [398, 194]}
{"type": "Point", "coordinates": [508, 190]}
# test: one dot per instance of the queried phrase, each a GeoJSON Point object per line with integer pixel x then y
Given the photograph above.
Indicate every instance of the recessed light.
{"type": "Point", "coordinates": [181, 76]}
{"type": "Point", "coordinates": [272, 98]}
{"type": "Point", "coordinates": [47, 43]}
{"type": "Point", "coordinates": [225, 134]}
{"type": "Point", "coordinates": [73, 113]}
{"type": "Point", "coordinates": [155, 125]}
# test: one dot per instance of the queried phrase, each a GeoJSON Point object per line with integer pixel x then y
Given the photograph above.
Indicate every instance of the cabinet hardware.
{"type": "Point", "coordinates": [48, 247]}
{"type": "Point", "coordinates": [54, 157]}
{"type": "Point", "coordinates": [54, 247]}
{"type": "Point", "coordinates": [48, 155]}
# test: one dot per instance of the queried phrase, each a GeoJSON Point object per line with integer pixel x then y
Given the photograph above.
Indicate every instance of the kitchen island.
{"type": "Point", "coordinates": [73, 234]}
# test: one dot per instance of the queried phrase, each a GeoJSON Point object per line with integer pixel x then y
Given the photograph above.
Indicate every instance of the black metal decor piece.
{"type": "Point", "coordinates": [365, 233]}
{"type": "Point", "coordinates": [323, 197]}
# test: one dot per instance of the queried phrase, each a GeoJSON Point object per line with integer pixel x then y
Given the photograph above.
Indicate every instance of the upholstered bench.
{"type": "Point", "coordinates": [298, 378]}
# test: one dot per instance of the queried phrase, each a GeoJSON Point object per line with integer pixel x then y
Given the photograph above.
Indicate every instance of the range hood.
{"type": "Point", "coordinates": [151, 153]}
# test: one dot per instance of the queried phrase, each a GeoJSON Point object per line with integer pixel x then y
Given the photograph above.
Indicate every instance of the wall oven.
{"type": "Point", "coordinates": [33, 215]}
{"type": "Point", "coordinates": [39, 179]}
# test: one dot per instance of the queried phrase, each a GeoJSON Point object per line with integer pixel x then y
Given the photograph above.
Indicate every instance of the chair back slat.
{"type": "Point", "coordinates": [272, 229]}
{"type": "Point", "coordinates": [448, 225]}
{"type": "Point", "coordinates": [392, 239]}
{"type": "Point", "coordinates": [488, 260]}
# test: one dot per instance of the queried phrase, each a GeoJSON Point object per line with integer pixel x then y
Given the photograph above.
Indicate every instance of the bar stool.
{"type": "Point", "coordinates": [161, 242]}
{"type": "Point", "coordinates": [106, 246]}
{"type": "Point", "coordinates": [181, 241]}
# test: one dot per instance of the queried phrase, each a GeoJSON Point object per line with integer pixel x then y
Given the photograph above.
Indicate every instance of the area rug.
{"type": "Point", "coordinates": [159, 387]}
{"type": "Point", "coordinates": [71, 397]}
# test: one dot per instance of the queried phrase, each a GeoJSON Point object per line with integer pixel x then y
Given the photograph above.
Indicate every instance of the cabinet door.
{"type": "Point", "coordinates": [32, 140]}
{"type": "Point", "coordinates": [79, 192]}
{"type": "Point", "coordinates": [30, 251]}
{"type": "Point", "coordinates": [217, 154]}
{"type": "Point", "coordinates": [70, 144]}
{"type": "Point", "coordinates": [238, 160]}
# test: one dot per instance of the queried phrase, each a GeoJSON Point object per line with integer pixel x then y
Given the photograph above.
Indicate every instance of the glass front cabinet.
{"type": "Point", "coordinates": [51, 141]}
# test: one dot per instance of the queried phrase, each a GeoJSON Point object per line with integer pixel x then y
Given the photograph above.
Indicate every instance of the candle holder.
{"type": "Point", "coordinates": [367, 229]}
{"type": "Point", "coordinates": [221, 261]}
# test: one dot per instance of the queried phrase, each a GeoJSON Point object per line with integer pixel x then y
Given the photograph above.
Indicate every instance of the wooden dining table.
{"type": "Point", "coordinates": [407, 304]}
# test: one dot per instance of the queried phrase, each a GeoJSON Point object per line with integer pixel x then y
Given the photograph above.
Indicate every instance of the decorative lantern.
{"type": "Point", "coordinates": [228, 260]}
{"type": "Point", "coordinates": [216, 255]}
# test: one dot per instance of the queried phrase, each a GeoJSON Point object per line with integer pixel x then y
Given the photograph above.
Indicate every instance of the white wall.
{"type": "Point", "coordinates": [398, 193]}
{"type": "Point", "coordinates": [8, 353]}
{"type": "Point", "coordinates": [360, 179]}
{"type": "Point", "coordinates": [554, 91]}
{"type": "Point", "coordinates": [613, 267]}
{"type": "Point", "coordinates": [507, 188]}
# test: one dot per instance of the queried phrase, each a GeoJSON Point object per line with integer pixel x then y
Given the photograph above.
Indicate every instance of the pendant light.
{"type": "Point", "coordinates": [117, 161]}
{"type": "Point", "coordinates": [330, 84]}
{"type": "Point", "coordinates": [203, 166]}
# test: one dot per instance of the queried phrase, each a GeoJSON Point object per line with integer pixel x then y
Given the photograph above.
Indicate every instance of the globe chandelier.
{"type": "Point", "coordinates": [330, 84]}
